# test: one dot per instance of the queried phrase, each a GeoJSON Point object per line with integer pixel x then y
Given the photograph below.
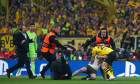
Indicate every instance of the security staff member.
{"type": "Point", "coordinates": [60, 70]}
{"type": "Point", "coordinates": [48, 47]}
{"type": "Point", "coordinates": [21, 40]}
{"type": "Point", "coordinates": [102, 39]}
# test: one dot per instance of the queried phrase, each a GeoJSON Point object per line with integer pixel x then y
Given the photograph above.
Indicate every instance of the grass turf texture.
{"type": "Point", "coordinates": [76, 80]}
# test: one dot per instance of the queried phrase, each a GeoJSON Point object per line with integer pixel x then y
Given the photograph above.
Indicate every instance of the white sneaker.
{"type": "Point", "coordinates": [18, 72]}
{"type": "Point", "coordinates": [34, 74]}
{"type": "Point", "coordinates": [111, 77]}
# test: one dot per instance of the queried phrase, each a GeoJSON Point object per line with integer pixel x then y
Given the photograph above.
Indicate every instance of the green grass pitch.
{"type": "Point", "coordinates": [76, 80]}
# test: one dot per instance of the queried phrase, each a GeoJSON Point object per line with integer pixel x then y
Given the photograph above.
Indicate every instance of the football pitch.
{"type": "Point", "coordinates": [76, 80]}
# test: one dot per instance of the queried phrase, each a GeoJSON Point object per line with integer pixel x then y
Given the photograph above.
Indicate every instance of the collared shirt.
{"type": "Point", "coordinates": [24, 34]}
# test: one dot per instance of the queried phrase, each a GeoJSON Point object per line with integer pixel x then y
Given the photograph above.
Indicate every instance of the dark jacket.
{"type": "Point", "coordinates": [17, 40]}
{"type": "Point", "coordinates": [111, 42]}
{"type": "Point", "coordinates": [53, 39]}
{"type": "Point", "coordinates": [60, 70]}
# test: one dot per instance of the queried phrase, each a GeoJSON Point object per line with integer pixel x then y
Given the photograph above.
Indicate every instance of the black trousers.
{"type": "Point", "coordinates": [50, 58]}
{"type": "Point", "coordinates": [23, 59]}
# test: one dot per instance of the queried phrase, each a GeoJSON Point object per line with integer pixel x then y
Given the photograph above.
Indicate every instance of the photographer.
{"type": "Point", "coordinates": [79, 53]}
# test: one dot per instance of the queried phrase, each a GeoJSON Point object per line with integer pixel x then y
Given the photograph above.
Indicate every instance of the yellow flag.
{"type": "Point", "coordinates": [3, 4]}
{"type": "Point", "coordinates": [7, 12]}
{"type": "Point", "coordinates": [44, 4]}
{"type": "Point", "coordinates": [104, 9]}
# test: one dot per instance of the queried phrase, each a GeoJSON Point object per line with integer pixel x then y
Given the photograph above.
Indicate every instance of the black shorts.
{"type": "Point", "coordinates": [110, 57]}
{"type": "Point", "coordinates": [90, 70]}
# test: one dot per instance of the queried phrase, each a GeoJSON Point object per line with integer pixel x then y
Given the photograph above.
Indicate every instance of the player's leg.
{"type": "Point", "coordinates": [104, 67]}
{"type": "Point", "coordinates": [33, 65]}
{"type": "Point", "coordinates": [91, 73]}
{"type": "Point", "coordinates": [105, 76]}
{"type": "Point", "coordinates": [108, 72]}
{"type": "Point", "coordinates": [18, 72]}
{"type": "Point", "coordinates": [92, 76]}
{"type": "Point", "coordinates": [27, 64]}
{"type": "Point", "coordinates": [110, 68]}
{"type": "Point", "coordinates": [106, 64]}
{"type": "Point", "coordinates": [32, 55]}
{"type": "Point", "coordinates": [82, 70]}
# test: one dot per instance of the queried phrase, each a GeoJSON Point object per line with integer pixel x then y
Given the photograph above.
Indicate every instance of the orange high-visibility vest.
{"type": "Point", "coordinates": [46, 44]}
{"type": "Point", "coordinates": [106, 41]}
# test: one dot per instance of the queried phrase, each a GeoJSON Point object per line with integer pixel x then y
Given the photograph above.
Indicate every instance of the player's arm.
{"type": "Point", "coordinates": [102, 57]}
{"type": "Point", "coordinates": [92, 60]}
{"type": "Point", "coordinates": [35, 42]}
{"type": "Point", "coordinates": [93, 56]}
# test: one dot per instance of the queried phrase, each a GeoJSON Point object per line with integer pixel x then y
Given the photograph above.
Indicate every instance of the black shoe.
{"type": "Point", "coordinates": [8, 73]}
{"type": "Point", "coordinates": [85, 78]}
{"type": "Point", "coordinates": [42, 75]}
{"type": "Point", "coordinates": [32, 77]}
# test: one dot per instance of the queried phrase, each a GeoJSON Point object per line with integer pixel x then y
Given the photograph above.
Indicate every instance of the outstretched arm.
{"type": "Point", "coordinates": [92, 60]}
{"type": "Point", "coordinates": [88, 42]}
{"type": "Point", "coordinates": [102, 57]}
{"type": "Point", "coordinates": [54, 39]}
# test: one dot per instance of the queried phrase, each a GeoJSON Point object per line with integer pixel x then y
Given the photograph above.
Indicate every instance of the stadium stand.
{"type": "Point", "coordinates": [75, 17]}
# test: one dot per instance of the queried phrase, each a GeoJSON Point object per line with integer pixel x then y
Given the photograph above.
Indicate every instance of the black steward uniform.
{"type": "Point", "coordinates": [60, 70]}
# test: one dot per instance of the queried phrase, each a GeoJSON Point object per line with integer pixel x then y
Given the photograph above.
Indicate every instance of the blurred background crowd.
{"type": "Point", "coordinates": [75, 18]}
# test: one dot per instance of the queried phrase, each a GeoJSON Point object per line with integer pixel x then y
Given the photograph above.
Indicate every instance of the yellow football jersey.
{"type": "Point", "coordinates": [101, 50]}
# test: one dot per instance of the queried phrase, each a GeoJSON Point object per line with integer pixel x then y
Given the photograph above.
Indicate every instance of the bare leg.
{"type": "Point", "coordinates": [105, 75]}
{"type": "Point", "coordinates": [92, 76]}
{"type": "Point", "coordinates": [84, 69]}
{"type": "Point", "coordinates": [104, 64]}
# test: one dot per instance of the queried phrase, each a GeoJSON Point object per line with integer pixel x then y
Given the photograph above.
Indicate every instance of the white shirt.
{"type": "Point", "coordinates": [24, 34]}
{"type": "Point", "coordinates": [95, 64]}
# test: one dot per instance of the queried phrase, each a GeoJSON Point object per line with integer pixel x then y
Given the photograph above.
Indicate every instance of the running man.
{"type": "Point", "coordinates": [32, 49]}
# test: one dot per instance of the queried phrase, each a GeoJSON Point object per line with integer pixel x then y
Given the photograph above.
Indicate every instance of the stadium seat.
{"type": "Point", "coordinates": [13, 52]}
{"type": "Point", "coordinates": [59, 55]}
{"type": "Point", "coordinates": [7, 54]}
{"type": "Point", "coordinates": [1, 54]}
{"type": "Point", "coordinates": [85, 56]}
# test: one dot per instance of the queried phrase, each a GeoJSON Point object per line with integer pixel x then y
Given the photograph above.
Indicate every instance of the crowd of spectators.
{"type": "Point", "coordinates": [76, 18]}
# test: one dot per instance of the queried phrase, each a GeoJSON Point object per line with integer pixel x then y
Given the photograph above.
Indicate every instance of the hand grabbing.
{"type": "Point", "coordinates": [69, 49]}
{"type": "Point", "coordinates": [23, 41]}
{"type": "Point", "coordinates": [32, 39]}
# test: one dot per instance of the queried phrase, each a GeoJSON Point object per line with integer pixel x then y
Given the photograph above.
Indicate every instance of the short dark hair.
{"type": "Point", "coordinates": [32, 24]}
{"type": "Point", "coordinates": [103, 29]}
{"type": "Point", "coordinates": [93, 44]}
{"type": "Point", "coordinates": [20, 27]}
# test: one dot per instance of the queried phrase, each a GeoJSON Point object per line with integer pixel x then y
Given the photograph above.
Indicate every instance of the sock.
{"type": "Point", "coordinates": [110, 69]}
{"type": "Point", "coordinates": [33, 67]}
{"type": "Point", "coordinates": [19, 68]}
{"type": "Point", "coordinates": [107, 71]}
